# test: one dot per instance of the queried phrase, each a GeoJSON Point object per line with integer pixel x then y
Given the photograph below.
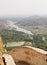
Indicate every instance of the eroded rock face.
{"type": "Point", "coordinates": [4, 60]}
{"type": "Point", "coordinates": [22, 63]}
{"type": "Point", "coordinates": [1, 60]}
{"type": "Point", "coordinates": [30, 55]}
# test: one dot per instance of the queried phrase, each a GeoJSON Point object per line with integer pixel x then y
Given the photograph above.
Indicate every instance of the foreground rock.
{"type": "Point", "coordinates": [8, 59]}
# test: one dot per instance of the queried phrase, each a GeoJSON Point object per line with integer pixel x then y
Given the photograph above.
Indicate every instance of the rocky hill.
{"type": "Point", "coordinates": [24, 21]}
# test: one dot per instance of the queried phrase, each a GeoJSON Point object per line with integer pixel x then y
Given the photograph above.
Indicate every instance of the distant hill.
{"type": "Point", "coordinates": [23, 21]}
{"type": "Point", "coordinates": [3, 24]}
{"type": "Point", "coordinates": [33, 21]}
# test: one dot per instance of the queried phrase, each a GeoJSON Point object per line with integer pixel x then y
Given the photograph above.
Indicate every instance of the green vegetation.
{"type": "Point", "coordinates": [12, 35]}
{"type": "Point", "coordinates": [39, 41]}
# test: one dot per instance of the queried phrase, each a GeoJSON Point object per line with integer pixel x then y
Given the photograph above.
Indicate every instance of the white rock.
{"type": "Point", "coordinates": [8, 59]}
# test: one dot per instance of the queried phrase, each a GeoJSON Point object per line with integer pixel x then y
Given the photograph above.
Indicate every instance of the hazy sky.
{"type": "Point", "coordinates": [23, 7]}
